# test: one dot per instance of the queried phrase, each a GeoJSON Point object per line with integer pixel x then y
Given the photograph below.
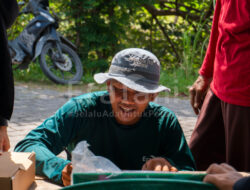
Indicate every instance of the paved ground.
{"type": "Point", "coordinates": [33, 105]}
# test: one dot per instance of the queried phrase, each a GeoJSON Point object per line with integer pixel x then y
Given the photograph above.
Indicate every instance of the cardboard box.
{"type": "Point", "coordinates": [17, 170]}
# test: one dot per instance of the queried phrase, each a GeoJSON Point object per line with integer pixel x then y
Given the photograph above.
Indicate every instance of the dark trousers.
{"type": "Point", "coordinates": [221, 134]}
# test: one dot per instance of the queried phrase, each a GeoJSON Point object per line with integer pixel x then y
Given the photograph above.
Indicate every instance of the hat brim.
{"type": "Point", "coordinates": [100, 78]}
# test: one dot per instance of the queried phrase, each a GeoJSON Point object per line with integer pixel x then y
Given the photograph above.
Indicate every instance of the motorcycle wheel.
{"type": "Point", "coordinates": [68, 72]}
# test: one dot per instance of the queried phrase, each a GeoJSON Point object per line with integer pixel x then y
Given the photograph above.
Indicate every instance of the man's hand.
{"type": "Point", "coordinates": [222, 176]}
{"type": "Point", "coordinates": [66, 174]}
{"type": "Point", "coordinates": [4, 139]}
{"type": "Point", "coordinates": [198, 92]}
{"type": "Point", "coordinates": [159, 164]}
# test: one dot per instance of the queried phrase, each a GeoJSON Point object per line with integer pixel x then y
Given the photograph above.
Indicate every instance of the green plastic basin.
{"type": "Point", "coordinates": [86, 177]}
{"type": "Point", "coordinates": [142, 184]}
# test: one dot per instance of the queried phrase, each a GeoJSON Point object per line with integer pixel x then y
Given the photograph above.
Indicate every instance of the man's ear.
{"type": "Point", "coordinates": [153, 96]}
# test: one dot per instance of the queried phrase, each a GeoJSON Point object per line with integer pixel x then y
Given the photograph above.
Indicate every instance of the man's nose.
{"type": "Point", "coordinates": [128, 98]}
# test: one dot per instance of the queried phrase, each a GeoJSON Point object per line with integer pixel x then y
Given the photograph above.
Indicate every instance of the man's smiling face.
{"type": "Point", "coordinates": [127, 104]}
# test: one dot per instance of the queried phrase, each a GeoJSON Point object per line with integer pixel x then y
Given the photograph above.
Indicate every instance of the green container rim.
{"type": "Point", "coordinates": [86, 177]}
{"type": "Point", "coordinates": [188, 183]}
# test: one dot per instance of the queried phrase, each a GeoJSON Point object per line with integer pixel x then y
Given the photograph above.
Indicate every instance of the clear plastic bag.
{"type": "Point", "coordinates": [83, 160]}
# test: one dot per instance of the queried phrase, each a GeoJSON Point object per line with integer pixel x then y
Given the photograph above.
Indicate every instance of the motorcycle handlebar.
{"type": "Point", "coordinates": [34, 8]}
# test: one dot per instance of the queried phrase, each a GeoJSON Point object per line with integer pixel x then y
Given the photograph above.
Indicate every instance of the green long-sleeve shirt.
{"type": "Point", "coordinates": [89, 117]}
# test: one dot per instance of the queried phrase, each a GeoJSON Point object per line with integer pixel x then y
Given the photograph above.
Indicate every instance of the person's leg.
{"type": "Point", "coordinates": [237, 134]}
{"type": "Point", "coordinates": [207, 142]}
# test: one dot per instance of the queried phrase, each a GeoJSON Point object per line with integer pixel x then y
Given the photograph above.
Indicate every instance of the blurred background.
{"type": "Point", "coordinates": [176, 31]}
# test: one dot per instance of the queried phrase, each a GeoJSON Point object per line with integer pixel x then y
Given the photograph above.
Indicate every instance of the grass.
{"type": "Point", "coordinates": [177, 80]}
{"type": "Point", "coordinates": [32, 73]}
{"type": "Point", "coordinates": [33, 77]}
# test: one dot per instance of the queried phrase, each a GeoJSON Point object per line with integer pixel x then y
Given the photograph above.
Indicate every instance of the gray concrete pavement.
{"type": "Point", "coordinates": [34, 105]}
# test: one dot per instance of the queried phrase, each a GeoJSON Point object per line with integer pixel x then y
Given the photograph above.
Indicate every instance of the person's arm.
{"type": "Point", "coordinates": [199, 89]}
{"type": "Point", "coordinates": [49, 139]}
{"type": "Point", "coordinates": [175, 148]}
{"type": "Point", "coordinates": [174, 153]}
{"type": "Point", "coordinates": [4, 139]}
{"type": "Point", "coordinates": [3, 121]}
{"type": "Point", "coordinates": [9, 11]}
{"type": "Point", "coordinates": [208, 62]}
{"type": "Point", "coordinates": [8, 14]}
{"type": "Point", "coordinates": [225, 177]}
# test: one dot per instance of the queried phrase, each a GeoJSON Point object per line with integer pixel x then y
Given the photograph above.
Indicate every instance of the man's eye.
{"type": "Point", "coordinates": [118, 90]}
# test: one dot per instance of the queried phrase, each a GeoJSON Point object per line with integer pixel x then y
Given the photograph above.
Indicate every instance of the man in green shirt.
{"type": "Point", "coordinates": [121, 124]}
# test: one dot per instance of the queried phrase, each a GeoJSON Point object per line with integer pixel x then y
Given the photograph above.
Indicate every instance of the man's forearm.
{"type": "Point", "coordinates": [47, 163]}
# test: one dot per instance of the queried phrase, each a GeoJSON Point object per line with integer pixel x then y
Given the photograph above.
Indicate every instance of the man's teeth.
{"type": "Point", "coordinates": [127, 109]}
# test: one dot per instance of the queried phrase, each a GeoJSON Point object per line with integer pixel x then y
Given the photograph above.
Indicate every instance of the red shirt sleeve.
{"type": "Point", "coordinates": [208, 62]}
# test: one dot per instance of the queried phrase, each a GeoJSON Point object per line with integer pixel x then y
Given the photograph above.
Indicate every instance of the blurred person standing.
{"type": "Point", "coordinates": [222, 131]}
{"type": "Point", "coordinates": [8, 13]}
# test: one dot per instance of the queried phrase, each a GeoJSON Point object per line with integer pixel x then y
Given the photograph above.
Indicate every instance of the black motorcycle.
{"type": "Point", "coordinates": [57, 56]}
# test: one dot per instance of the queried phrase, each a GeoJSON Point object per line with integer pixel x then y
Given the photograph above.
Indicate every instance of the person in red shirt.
{"type": "Point", "coordinates": [222, 131]}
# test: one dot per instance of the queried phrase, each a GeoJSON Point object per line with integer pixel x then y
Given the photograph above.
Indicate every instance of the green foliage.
{"type": "Point", "coordinates": [177, 81]}
{"type": "Point", "coordinates": [100, 26]}
{"type": "Point", "coordinates": [193, 49]}
{"type": "Point", "coordinates": [33, 73]}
